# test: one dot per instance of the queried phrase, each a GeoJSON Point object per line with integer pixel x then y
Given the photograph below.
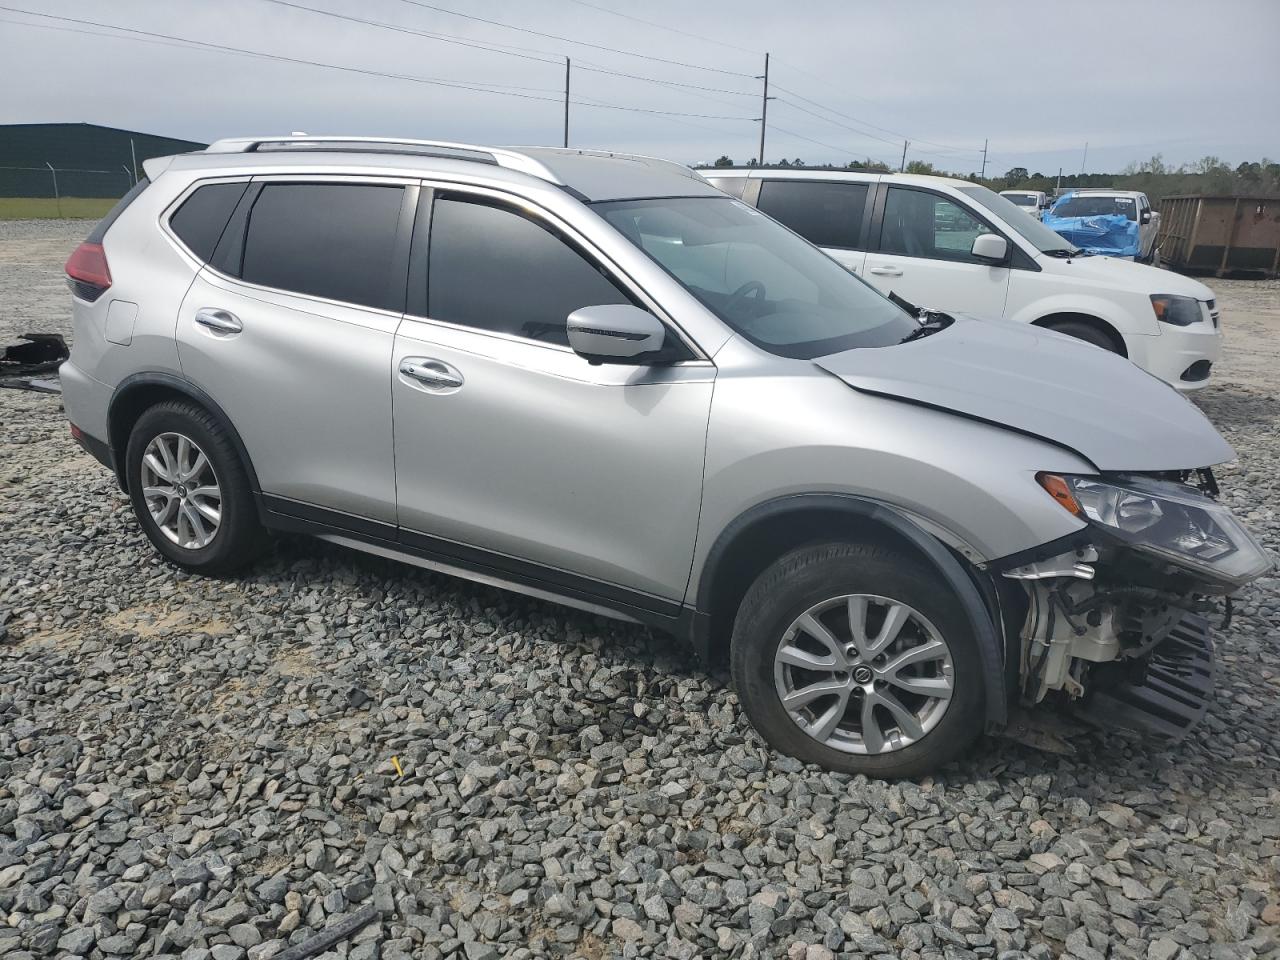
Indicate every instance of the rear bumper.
{"type": "Point", "coordinates": [85, 400]}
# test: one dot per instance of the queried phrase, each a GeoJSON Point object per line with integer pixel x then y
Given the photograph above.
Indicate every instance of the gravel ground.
{"type": "Point", "coordinates": [218, 769]}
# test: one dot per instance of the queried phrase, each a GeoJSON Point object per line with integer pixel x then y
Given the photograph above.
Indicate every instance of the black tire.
{"type": "Point", "coordinates": [810, 575]}
{"type": "Point", "coordinates": [1086, 332]}
{"type": "Point", "coordinates": [239, 538]}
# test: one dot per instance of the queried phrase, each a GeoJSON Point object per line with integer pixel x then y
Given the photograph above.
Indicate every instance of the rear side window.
{"type": "Point", "coordinates": [494, 268]}
{"type": "Point", "coordinates": [825, 214]}
{"type": "Point", "coordinates": [203, 216]}
{"type": "Point", "coordinates": [105, 223]}
{"type": "Point", "coordinates": [326, 240]}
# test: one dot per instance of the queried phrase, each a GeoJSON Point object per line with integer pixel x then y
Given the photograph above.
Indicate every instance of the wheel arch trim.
{"type": "Point", "coordinates": [977, 607]}
{"type": "Point", "coordinates": [140, 381]}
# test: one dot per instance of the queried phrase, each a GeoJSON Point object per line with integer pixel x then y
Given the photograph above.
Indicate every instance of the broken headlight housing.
{"type": "Point", "coordinates": [1170, 521]}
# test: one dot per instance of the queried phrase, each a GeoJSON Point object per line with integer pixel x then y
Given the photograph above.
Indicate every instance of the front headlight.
{"type": "Point", "coordinates": [1176, 311]}
{"type": "Point", "coordinates": [1166, 519]}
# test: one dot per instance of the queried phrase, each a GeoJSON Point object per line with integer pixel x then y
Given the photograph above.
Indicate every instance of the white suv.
{"type": "Point", "coordinates": [958, 247]}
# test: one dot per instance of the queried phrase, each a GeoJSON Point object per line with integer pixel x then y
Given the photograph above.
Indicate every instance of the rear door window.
{"type": "Point", "coordinates": [824, 213]}
{"type": "Point", "coordinates": [203, 216]}
{"type": "Point", "coordinates": [330, 240]}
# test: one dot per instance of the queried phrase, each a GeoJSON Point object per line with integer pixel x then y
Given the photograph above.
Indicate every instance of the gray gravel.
{"type": "Point", "coordinates": [207, 769]}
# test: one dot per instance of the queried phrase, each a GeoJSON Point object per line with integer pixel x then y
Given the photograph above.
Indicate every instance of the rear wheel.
{"type": "Point", "coordinates": [189, 490]}
{"type": "Point", "coordinates": [849, 655]}
{"type": "Point", "coordinates": [1086, 332]}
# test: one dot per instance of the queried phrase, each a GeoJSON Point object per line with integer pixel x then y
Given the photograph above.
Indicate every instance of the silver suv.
{"type": "Point", "coordinates": [596, 379]}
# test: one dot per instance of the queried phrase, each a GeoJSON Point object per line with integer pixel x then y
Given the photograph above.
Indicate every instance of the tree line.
{"type": "Point", "coordinates": [1209, 176]}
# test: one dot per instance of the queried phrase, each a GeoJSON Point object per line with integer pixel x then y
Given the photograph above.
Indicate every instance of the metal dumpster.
{"type": "Point", "coordinates": [1221, 235]}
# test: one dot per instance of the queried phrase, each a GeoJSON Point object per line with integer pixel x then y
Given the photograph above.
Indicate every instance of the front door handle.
{"type": "Point", "coordinates": [886, 271]}
{"type": "Point", "coordinates": [220, 321]}
{"type": "Point", "coordinates": [436, 375]}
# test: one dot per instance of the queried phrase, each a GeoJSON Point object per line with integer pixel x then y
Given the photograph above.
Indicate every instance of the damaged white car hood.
{"type": "Point", "coordinates": [1038, 382]}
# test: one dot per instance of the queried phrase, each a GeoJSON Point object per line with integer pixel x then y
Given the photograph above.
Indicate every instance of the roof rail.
{"type": "Point", "coordinates": [674, 165]}
{"type": "Point", "coordinates": [511, 159]}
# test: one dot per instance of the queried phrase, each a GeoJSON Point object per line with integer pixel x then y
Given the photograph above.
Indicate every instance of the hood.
{"type": "Point", "coordinates": [1125, 275]}
{"type": "Point", "coordinates": [1071, 393]}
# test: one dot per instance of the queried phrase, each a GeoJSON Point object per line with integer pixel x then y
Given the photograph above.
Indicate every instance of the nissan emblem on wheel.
{"type": "Point", "coordinates": [599, 380]}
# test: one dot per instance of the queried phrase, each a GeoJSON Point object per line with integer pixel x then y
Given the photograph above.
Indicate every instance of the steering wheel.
{"type": "Point", "coordinates": [747, 289]}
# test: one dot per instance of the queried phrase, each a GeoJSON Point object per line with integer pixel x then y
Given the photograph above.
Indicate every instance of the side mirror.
{"type": "Point", "coordinates": [992, 248]}
{"type": "Point", "coordinates": [1146, 216]}
{"type": "Point", "coordinates": [614, 333]}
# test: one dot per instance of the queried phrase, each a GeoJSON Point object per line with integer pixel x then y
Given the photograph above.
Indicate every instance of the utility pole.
{"type": "Point", "coordinates": [903, 165]}
{"type": "Point", "coordinates": [764, 108]}
{"type": "Point", "coordinates": [566, 101]}
{"type": "Point", "coordinates": [983, 174]}
{"type": "Point", "coordinates": [1059, 190]}
{"type": "Point", "coordinates": [1084, 158]}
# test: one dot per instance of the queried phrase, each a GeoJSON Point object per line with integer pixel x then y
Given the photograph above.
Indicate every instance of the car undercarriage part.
{"type": "Point", "coordinates": [33, 364]}
{"type": "Point", "coordinates": [1123, 655]}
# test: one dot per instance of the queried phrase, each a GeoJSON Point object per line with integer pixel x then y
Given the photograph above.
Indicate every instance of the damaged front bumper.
{"type": "Point", "coordinates": [1113, 629]}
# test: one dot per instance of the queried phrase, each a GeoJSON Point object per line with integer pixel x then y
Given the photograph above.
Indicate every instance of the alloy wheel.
{"type": "Point", "coordinates": [864, 674]}
{"type": "Point", "coordinates": [181, 490]}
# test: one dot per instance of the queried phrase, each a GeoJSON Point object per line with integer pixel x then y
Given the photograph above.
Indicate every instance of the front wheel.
{"type": "Point", "coordinates": [848, 655]}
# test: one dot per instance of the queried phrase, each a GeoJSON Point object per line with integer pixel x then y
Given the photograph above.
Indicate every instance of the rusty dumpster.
{"type": "Point", "coordinates": [1221, 235]}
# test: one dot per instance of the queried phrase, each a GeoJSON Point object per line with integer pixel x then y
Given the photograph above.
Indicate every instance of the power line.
{"type": "Point", "coordinates": [581, 43]}
{"type": "Point", "coordinates": [663, 26]}
{"type": "Point", "coordinates": [821, 143]}
{"type": "Point", "coordinates": [151, 36]}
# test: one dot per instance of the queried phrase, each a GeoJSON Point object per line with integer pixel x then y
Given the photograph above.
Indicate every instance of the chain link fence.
{"type": "Point", "coordinates": [57, 183]}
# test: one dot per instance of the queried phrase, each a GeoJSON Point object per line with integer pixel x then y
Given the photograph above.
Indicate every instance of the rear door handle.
{"type": "Point", "coordinates": [886, 271]}
{"type": "Point", "coordinates": [436, 375]}
{"type": "Point", "coordinates": [221, 321]}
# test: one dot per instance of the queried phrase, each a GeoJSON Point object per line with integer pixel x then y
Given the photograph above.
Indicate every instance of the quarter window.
{"type": "Point", "coordinates": [203, 216]}
{"type": "Point", "coordinates": [327, 240]}
{"type": "Point", "coordinates": [495, 268]}
{"type": "Point", "coordinates": [921, 224]}
{"type": "Point", "coordinates": [825, 214]}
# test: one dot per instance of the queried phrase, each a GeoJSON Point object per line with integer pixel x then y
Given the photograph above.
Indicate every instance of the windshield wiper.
{"type": "Point", "coordinates": [1066, 254]}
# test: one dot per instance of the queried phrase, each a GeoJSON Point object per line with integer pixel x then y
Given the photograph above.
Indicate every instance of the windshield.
{"type": "Point", "coordinates": [1021, 199]}
{"type": "Point", "coordinates": [777, 290]}
{"type": "Point", "coordinates": [1092, 205]}
{"type": "Point", "coordinates": [1029, 228]}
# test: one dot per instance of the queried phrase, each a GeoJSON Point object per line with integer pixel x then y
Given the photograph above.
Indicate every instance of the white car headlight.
{"type": "Point", "coordinates": [1167, 520]}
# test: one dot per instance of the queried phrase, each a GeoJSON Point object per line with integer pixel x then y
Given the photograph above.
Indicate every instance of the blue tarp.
{"type": "Point", "coordinates": [1110, 235]}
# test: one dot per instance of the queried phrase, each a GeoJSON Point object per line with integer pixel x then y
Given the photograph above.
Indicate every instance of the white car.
{"type": "Point", "coordinates": [957, 247]}
{"type": "Point", "coordinates": [1032, 202]}
{"type": "Point", "coordinates": [1133, 205]}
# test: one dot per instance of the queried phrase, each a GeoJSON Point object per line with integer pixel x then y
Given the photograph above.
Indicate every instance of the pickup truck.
{"type": "Point", "coordinates": [1091, 220]}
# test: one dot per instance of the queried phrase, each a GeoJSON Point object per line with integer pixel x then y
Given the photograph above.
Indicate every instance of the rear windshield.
{"type": "Point", "coordinates": [105, 223]}
{"type": "Point", "coordinates": [1087, 206]}
{"type": "Point", "coordinates": [1021, 199]}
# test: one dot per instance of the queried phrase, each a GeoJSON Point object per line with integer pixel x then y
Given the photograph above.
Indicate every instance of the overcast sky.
{"type": "Point", "coordinates": [1183, 78]}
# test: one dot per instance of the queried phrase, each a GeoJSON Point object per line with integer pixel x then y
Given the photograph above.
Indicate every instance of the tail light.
{"type": "Point", "coordinates": [87, 271]}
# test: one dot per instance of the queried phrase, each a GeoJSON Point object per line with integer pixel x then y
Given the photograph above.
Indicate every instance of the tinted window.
{"type": "Point", "coordinates": [920, 224]}
{"type": "Point", "coordinates": [494, 268]}
{"type": "Point", "coordinates": [327, 240]}
{"type": "Point", "coordinates": [765, 282]}
{"type": "Point", "coordinates": [203, 216]}
{"type": "Point", "coordinates": [826, 214]}
{"type": "Point", "coordinates": [734, 186]}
